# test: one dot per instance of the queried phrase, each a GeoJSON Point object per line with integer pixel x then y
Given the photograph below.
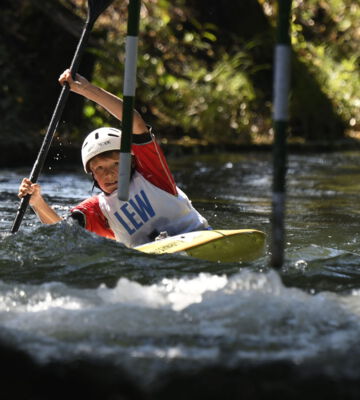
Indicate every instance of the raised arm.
{"type": "Point", "coordinates": [112, 103]}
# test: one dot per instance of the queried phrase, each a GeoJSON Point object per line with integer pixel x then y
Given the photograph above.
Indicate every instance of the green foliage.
{"type": "Point", "coordinates": [186, 82]}
{"type": "Point", "coordinates": [214, 102]}
{"type": "Point", "coordinates": [189, 81]}
{"type": "Point", "coordinates": [325, 37]}
{"type": "Point", "coordinates": [195, 78]}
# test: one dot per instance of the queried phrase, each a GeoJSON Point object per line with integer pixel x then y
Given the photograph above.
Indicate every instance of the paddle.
{"type": "Point", "coordinates": [128, 98]}
{"type": "Point", "coordinates": [95, 8]}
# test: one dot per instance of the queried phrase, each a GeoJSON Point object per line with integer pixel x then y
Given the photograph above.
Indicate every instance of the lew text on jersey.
{"type": "Point", "coordinates": [134, 213]}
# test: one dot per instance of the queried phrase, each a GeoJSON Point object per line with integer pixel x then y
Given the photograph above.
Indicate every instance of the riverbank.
{"type": "Point", "coordinates": [24, 155]}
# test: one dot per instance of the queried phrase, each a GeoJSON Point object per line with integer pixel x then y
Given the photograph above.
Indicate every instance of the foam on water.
{"type": "Point", "coordinates": [210, 318]}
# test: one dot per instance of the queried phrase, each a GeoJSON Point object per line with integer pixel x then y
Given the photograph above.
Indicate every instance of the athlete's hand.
{"type": "Point", "coordinates": [33, 189]}
{"type": "Point", "coordinates": [78, 85]}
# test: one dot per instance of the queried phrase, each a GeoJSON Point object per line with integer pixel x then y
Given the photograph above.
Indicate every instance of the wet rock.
{"type": "Point", "coordinates": [22, 378]}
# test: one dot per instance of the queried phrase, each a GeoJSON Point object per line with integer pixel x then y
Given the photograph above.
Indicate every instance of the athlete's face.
{"type": "Point", "coordinates": [105, 171]}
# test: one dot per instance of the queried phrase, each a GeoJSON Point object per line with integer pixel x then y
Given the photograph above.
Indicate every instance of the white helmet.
{"type": "Point", "coordinates": [99, 141]}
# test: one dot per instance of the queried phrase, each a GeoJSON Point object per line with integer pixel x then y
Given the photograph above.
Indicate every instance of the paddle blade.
{"type": "Point", "coordinates": [96, 7]}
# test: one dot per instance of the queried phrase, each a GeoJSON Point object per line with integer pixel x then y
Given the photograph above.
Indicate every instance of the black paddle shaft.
{"type": "Point", "coordinates": [95, 8]}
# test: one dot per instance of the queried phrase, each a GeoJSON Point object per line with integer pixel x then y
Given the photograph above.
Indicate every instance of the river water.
{"type": "Point", "coordinates": [67, 294]}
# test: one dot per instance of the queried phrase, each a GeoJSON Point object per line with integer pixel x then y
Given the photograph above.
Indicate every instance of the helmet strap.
{"type": "Point", "coordinates": [95, 184]}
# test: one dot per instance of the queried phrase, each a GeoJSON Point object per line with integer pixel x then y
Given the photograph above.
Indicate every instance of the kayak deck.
{"type": "Point", "coordinates": [213, 245]}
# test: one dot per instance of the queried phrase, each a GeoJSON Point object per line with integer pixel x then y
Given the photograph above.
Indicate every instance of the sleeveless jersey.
{"type": "Point", "coordinates": [148, 212]}
{"type": "Point", "coordinates": [155, 204]}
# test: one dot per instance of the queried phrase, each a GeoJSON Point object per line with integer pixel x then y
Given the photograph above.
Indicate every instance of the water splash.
{"type": "Point", "coordinates": [210, 318]}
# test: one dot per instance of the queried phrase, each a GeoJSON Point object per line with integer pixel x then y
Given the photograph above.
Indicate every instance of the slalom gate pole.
{"type": "Point", "coordinates": [281, 117]}
{"type": "Point", "coordinates": [128, 98]}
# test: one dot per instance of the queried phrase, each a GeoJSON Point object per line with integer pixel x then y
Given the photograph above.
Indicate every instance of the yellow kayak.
{"type": "Point", "coordinates": [213, 245]}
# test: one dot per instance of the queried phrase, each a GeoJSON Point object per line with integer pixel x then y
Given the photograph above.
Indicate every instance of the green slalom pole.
{"type": "Point", "coordinates": [128, 98]}
{"type": "Point", "coordinates": [281, 117]}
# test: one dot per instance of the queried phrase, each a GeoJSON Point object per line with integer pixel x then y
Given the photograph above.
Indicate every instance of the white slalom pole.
{"type": "Point", "coordinates": [128, 98]}
{"type": "Point", "coordinates": [281, 117]}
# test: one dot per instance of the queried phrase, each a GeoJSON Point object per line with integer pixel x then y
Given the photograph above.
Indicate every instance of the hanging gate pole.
{"type": "Point", "coordinates": [281, 117]}
{"type": "Point", "coordinates": [128, 98]}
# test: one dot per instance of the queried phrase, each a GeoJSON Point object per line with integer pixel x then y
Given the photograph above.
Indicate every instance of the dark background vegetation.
{"type": "Point", "coordinates": [204, 70]}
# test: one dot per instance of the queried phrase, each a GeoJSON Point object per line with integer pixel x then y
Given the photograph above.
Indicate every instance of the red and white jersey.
{"type": "Point", "coordinates": [155, 203]}
{"type": "Point", "coordinates": [149, 211]}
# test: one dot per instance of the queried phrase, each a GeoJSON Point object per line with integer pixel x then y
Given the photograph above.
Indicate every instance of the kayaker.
{"type": "Point", "coordinates": [156, 206]}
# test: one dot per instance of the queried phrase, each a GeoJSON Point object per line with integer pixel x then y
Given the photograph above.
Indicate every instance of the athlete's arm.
{"type": "Point", "coordinates": [112, 103]}
{"type": "Point", "coordinates": [42, 209]}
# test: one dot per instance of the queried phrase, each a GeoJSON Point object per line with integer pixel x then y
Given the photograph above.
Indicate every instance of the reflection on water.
{"type": "Point", "coordinates": [66, 293]}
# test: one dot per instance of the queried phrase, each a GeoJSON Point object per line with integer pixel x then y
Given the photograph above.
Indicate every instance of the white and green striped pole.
{"type": "Point", "coordinates": [131, 48]}
{"type": "Point", "coordinates": [281, 117]}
